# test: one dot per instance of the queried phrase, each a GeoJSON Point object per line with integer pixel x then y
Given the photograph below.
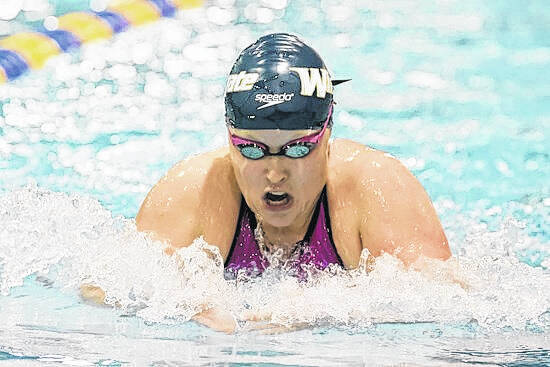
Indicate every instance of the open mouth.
{"type": "Point", "coordinates": [277, 199]}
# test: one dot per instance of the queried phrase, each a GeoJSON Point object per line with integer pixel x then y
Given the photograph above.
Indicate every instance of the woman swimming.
{"type": "Point", "coordinates": [282, 187]}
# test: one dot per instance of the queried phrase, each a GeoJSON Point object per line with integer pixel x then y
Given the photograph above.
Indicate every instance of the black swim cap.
{"type": "Point", "coordinates": [278, 82]}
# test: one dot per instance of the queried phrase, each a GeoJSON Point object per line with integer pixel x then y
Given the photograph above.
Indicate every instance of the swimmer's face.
{"type": "Point", "coordinates": [280, 190]}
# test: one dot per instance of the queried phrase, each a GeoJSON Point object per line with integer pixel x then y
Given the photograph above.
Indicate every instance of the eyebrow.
{"type": "Point", "coordinates": [241, 140]}
{"type": "Point", "coordinates": [268, 148]}
{"type": "Point", "coordinates": [265, 146]}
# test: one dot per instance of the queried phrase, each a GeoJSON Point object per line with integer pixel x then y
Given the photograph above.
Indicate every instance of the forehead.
{"type": "Point", "coordinates": [271, 137]}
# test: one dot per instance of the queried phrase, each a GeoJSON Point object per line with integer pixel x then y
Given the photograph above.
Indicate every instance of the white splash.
{"type": "Point", "coordinates": [72, 239]}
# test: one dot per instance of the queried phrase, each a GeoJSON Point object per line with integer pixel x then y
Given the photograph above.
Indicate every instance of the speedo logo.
{"type": "Point", "coordinates": [272, 99]}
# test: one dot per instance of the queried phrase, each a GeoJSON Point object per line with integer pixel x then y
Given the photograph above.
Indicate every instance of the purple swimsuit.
{"type": "Point", "coordinates": [317, 248]}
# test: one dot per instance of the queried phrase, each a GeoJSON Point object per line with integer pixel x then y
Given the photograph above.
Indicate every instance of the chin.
{"type": "Point", "coordinates": [280, 220]}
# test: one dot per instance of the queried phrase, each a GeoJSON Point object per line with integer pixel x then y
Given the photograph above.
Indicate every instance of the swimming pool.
{"type": "Point", "coordinates": [456, 90]}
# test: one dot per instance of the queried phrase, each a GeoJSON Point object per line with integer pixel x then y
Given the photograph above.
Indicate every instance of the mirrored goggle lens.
{"type": "Point", "coordinates": [297, 151]}
{"type": "Point", "coordinates": [251, 151]}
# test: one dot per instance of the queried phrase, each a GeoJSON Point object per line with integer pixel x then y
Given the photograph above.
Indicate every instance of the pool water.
{"type": "Point", "coordinates": [457, 90]}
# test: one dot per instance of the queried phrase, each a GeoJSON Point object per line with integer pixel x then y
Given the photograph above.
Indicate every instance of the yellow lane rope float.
{"type": "Point", "coordinates": [34, 48]}
{"type": "Point", "coordinates": [85, 26]}
{"type": "Point", "coordinates": [136, 11]}
{"type": "Point", "coordinates": [30, 50]}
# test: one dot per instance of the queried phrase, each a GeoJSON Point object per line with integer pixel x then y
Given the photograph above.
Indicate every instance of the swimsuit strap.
{"type": "Point", "coordinates": [245, 252]}
{"type": "Point", "coordinates": [319, 249]}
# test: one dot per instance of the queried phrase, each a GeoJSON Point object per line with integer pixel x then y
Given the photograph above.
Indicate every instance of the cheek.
{"type": "Point", "coordinates": [251, 172]}
{"type": "Point", "coordinates": [313, 172]}
{"type": "Point", "coordinates": [310, 173]}
{"type": "Point", "coordinates": [248, 172]}
{"type": "Point", "coordinates": [317, 163]}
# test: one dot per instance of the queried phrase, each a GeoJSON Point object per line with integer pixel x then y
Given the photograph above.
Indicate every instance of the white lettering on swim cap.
{"type": "Point", "coordinates": [312, 79]}
{"type": "Point", "coordinates": [241, 82]}
{"type": "Point", "coordinates": [272, 99]}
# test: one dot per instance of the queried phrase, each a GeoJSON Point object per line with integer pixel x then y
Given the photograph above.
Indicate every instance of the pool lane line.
{"type": "Point", "coordinates": [24, 51]}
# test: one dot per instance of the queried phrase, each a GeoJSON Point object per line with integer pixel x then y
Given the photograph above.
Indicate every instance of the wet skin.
{"type": "Point", "coordinates": [374, 201]}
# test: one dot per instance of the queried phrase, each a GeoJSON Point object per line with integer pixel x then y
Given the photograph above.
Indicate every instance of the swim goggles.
{"type": "Point", "coordinates": [297, 148]}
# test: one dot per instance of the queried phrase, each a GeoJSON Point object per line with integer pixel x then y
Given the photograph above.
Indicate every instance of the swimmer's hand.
{"type": "Point", "coordinates": [217, 319]}
{"type": "Point", "coordinates": [262, 322]}
{"type": "Point", "coordinates": [222, 320]}
{"type": "Point", "coordinates": [92, 293]}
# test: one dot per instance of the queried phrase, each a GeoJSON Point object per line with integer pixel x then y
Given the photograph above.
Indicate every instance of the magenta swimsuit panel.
{"type": "Point", "coordinates": [316, 249]}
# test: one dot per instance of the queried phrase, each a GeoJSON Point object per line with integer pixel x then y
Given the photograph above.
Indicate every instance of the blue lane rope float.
{"type": "Point", "coordinates": [24, 51]}
{"type": "Point", "coordinates": [117, 22]}
{"type": "Point", "coordinates": [65, 40]}
{"type": "Point", "coordinates": [166, 8]}
{"type": "Point", "coordinates": [11, 64]}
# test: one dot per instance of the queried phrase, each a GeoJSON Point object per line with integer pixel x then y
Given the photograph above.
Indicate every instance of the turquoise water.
{"type": "Point", "coordinates": [458, 91]}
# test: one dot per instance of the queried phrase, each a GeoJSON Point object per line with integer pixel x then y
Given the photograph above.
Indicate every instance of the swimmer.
{"type": "Point", "coordinates": [283, 186]}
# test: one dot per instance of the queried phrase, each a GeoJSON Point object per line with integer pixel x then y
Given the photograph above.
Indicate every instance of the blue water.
{"type": "Point", "coordinates": [457, 90]}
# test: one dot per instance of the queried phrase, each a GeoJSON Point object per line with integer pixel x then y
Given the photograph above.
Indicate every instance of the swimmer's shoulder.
{"type": "Point", "coordinates": [396, 211]}
{"type": "Point", "coordinates": [194, 170]}
{"type": "Point", "coordinates": [358, 171]}
{"type": "Point", "coordinates": [353, 159]}
{"type": "Point", "coordinates": [176, 207]}
{"type": "Point", "coordinates": [350, 161]}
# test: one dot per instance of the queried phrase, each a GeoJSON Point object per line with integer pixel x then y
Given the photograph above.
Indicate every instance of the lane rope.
{"type": "Point", "coordinates": [25, 51]}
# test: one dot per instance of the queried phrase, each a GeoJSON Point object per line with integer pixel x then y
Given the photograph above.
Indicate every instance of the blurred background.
{"type": "Point", "coordinates": [457, 90]}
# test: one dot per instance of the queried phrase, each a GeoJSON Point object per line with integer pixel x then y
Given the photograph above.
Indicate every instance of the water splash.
{"type": "Point", "coordinates": [71, 239]}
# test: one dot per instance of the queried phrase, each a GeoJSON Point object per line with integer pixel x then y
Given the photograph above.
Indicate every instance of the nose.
{"type": "Point", "coordinates": [276, 172]}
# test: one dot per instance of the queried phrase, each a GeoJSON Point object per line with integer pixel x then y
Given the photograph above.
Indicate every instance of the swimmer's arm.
{"type": "Point", "coordinates": [171, 214]}
{"type": "Point", "coordinates": [166, 215]}
{"type": "Point", "coordinates": [398, 216]}
{"type": "Point", "coordinates": [215, 318]}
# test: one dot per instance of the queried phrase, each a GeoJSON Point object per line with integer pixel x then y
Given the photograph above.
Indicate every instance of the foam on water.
{"type": "Point", "coordinates": [72, 239]}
